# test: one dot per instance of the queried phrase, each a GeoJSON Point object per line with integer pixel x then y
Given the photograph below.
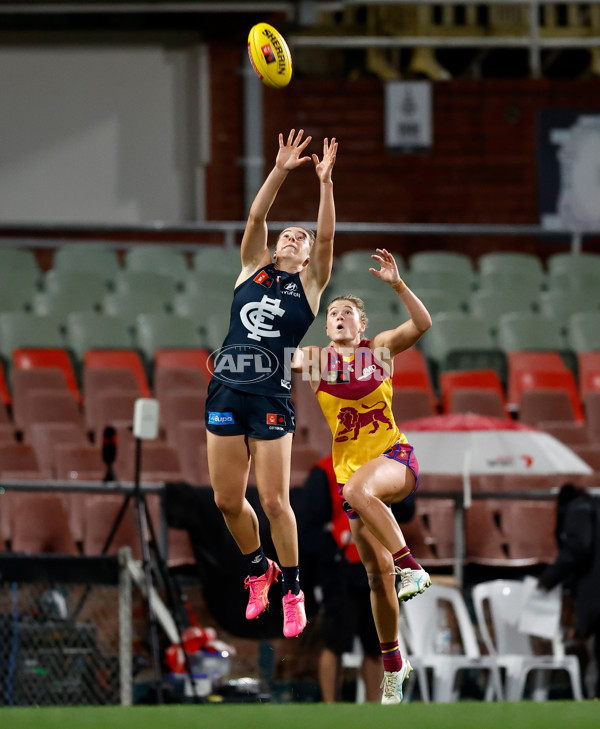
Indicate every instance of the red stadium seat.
{"type": "Point", "coordinates": [119, 358]}
{"type": "Point", "coordinates": [111, 408]}
{"type": "Point", "coordinates": [590, 453]}
{"type": "Point", "coordinates": [192, 358]}
{"type": "Point", "coordinates": [57, 358]}
{"type": "Point", "coordinates": [562, 381]}
{"type": "Point", "coordinates": [45, 438]}
{"type": "Point", "coordinates": [159, 462]}
{"type": "Point", "coordinates": [191, 448]}
{"type": "Point", "coordinates": [409, 403]}
{"type": "Point", "coordinates": [507, 533]}
{"type": "Point", "coordinates": [4, 391]}
{"type": "Point", "coordinates": [181, 406]}
{"type": "Point", "coordinates": [477, 400]}
{"type": "Point", "coordinates": [592, 416]}
{"type": "Point", "coordinates": [18, 460]}
{"type": "Point", "coordinates": [430, 533]}
{"type": "Point", "coordinates": [543, 404]}
{"type": "Point", "coordinates": [410, 370]}
{"type": "Point", "coordinates": [79, 462]}
{"type": "Point", "coordinates": [40, 524]}
{"type": "Point", "coordinates": [99, 515]}
{"type": "Point", "coordinates": [483, 379]}
{"type": "Point", "coordinates": [571, 434]}
{"type": "Point", "coordinates": [25, 381]}
{"type": "Point", "coordinates": [51, 406]}
{"type": "Point", "coordinates": [529, 362]}
{"type": "Point", "coordinates": [589, 372]}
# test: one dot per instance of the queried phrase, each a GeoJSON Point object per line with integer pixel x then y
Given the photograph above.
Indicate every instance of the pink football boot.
{"type": "Point", "coordinates": [294, 614]}
{"type": "Point", "coordinates": [258, 600]}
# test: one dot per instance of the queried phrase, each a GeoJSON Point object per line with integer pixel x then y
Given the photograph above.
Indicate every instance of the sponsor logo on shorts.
{"type": "Point", "coordinates": [275, 419]}
{"type": "Point", "coordinates": [215, 418]}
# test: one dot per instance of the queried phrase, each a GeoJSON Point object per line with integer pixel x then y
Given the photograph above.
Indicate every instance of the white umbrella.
{"type": "Point", "coordinates": [466, 443]}
{"type": "Point", "coordinates": [444, 443]}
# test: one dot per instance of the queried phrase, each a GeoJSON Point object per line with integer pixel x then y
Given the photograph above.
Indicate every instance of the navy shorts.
{"type": "Point", "coordinates": [233, 412]}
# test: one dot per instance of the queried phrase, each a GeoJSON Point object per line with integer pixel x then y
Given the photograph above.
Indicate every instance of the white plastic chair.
{"type": "Point", "coordinates": [354, 660]}
{"type": "Point", "coordinates": [422, 620]}
{"type": "Point", "coordinates": [419, 669]}
{"type": "Point", "coordinates": [511, 647]}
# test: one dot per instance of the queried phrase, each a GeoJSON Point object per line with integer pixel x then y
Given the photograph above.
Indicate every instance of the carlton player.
{"type": "Point", "coordinates": [248, 408]}
{"type": "Point", "coordinates": [374, 465]}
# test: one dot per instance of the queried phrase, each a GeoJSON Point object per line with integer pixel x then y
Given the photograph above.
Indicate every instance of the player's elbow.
{"type": "Point", "coordinates": [255, 220]}
{"type": "Point", "coordinates": [424, 323]}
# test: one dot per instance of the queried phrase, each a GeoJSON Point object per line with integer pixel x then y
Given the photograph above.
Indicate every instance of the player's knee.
{"type": "Point", "coordinates": [274, 507]}
{"type": "Point", "coordinates": [377, 582]}
{"type": "Point", "coordinates": [352, 493]}
{"type": "Point", "coordinates": [228, 506]}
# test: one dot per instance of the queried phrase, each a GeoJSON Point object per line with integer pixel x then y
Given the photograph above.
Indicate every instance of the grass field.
{"type": "Point", "coordinates": [463, 715]}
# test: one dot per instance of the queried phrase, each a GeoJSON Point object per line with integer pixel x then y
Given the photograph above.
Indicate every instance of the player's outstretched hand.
{"type": "Point", "coordinates": [388, 271]}
{"type": "Point", "coordinates": [288, 157]}
{"type": "Point", "coordinates": [324, 167]}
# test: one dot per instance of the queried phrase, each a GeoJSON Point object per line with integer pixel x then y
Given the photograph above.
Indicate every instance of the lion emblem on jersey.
{"type": "Point", "coordinates": [353, 420]}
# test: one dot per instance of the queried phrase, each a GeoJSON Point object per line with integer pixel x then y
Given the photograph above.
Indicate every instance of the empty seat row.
{"type": "Point", "coordinates": [92, 256]}
{"type": "Point", "coordinates": [499, 533]}
{"type": "Point", "coordinates": [93, 330]}
{"type": "Point", "coordinates": [104, 259]}
{"type": "Point", "coordinates": [54, 522]}
{"type": "Point", "coordinates": [517, 331]}
{"type": "Point", "coordinates": [448, 280]}
{"type": "Point", "coordinates": [540, 390]}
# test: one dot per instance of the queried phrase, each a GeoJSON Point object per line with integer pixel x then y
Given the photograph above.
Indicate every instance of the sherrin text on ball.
{"type": "Point", "coordinates": [269, 55]}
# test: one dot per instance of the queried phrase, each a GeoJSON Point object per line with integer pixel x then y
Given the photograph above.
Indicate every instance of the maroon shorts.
{"type": "Point", "coordinates": [401, 452]}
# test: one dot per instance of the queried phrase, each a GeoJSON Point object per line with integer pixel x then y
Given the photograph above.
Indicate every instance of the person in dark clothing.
{"type": "Point", "coordinates": [326, 542]}
{"type": "Point", "coordinates": [577, 566]}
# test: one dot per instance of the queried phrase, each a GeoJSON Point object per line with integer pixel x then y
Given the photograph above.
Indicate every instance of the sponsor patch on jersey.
{"type": "Point", "coordinates": [262, 278]}
{"type": "Point", "coordinates": [215, 418]}
{"type": "Point", "coordinates": [337, 377]}
{"type": "Point", "coordinates": [275, 419]}
{"type": "Point", "coordinates": [291, 289]}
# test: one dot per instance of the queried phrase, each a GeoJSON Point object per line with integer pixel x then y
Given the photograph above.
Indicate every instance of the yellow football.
{"type": "Point", "coordinates": [269, 55]}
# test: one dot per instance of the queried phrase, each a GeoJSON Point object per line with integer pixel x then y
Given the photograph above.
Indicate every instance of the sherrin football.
{"type": "Point", "coordinates": [269, 55]}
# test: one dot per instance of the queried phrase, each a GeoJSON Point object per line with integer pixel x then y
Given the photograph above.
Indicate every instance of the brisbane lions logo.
{"type": "Point", "coordinates": [352, 420]}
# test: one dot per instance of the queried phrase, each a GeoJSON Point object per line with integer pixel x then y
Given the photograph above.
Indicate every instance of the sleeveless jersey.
{"type": "Point", "coordinates": [269, 317]}
{"type": "Point", "coordinates": [355, 395]}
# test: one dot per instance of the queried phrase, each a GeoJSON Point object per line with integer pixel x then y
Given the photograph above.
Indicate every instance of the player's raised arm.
{"type": "Point", "coordinates": [321, 260]}
{"type": "Point", "coordinates": [254, 249]}
{"type": "Point", "coordinates": [404, 336]}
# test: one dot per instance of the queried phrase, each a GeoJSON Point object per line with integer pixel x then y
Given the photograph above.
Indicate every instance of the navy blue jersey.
{"type": "Point", "coordinates": [269, 317]}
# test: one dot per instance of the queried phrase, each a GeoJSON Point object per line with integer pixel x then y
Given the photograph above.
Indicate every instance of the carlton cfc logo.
{"type": "Point", "coordinates": [257, 316]}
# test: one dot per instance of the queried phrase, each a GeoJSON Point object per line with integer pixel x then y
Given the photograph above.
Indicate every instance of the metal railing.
{"type": "Point", "coordinates": [531, 29]}
{"type": "Point", "coordinates": [53, 235]}
{"type": "Point", "coordinates": [462, 501]}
